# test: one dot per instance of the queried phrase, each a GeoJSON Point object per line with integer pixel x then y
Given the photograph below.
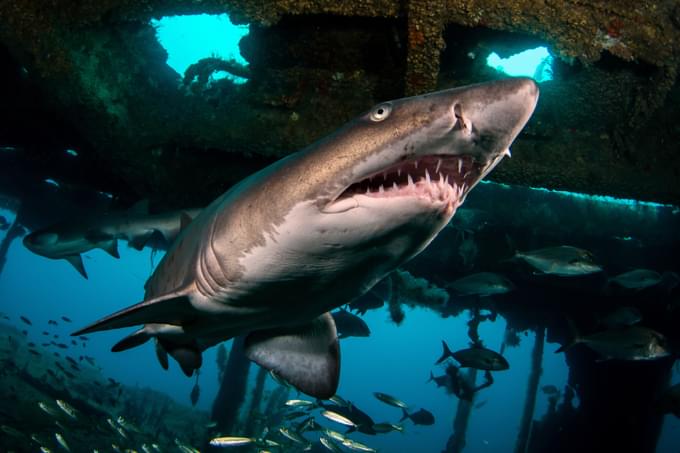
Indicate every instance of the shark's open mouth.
{"type": "Point", "coordinates": [438, 177]}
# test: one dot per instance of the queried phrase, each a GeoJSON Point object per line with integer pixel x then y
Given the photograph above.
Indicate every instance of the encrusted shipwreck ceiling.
{"type": "Point", "coordinates": [92, 75]}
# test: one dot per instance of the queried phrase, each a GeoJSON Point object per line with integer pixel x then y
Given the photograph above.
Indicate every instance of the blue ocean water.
{"type": "Point", "coordinates": [395, 359]}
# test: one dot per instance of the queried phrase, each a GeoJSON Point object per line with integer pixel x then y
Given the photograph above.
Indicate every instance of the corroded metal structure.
{"type": "Point", "coordinates": [604, 126]}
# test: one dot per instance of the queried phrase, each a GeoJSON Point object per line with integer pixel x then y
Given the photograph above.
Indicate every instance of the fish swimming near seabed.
{"type": "Point", "coordinates": [273, 255]}
{"type": "Point", "coordinates": [68, 240]}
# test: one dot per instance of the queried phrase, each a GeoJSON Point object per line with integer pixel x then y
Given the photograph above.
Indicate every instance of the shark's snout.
{"type": "Point", "coordinates": [462, 135]}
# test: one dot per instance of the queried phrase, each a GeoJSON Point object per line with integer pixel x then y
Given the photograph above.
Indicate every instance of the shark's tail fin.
{"type": "Point", "coordinates": [405, 416]}
{"type": "Point", "coordinates": [431, 377]}
{"type": "Point", "coordinates": [575, 337]}
{"type": "Point", "coordinates": [446, 353]}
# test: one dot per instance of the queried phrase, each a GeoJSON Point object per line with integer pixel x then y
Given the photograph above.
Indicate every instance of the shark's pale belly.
{"type": "Point", "coordinates": [304, 269]}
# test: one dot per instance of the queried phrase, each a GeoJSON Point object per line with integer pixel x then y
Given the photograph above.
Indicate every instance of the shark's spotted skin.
{"type": "Point", "coordinates": [272, 256]}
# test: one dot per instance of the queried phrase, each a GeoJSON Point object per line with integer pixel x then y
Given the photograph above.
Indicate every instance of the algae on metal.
{"type": "Point", "coordinates": [100, 68]}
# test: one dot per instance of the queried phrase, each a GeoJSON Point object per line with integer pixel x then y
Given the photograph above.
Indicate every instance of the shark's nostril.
{"type": "Point", "coordinates": [458, 111]}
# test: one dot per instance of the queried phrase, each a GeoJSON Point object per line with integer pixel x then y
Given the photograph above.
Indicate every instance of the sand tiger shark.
{"type": "Point", "coordinates": [69, 239]}
{"type": "Point", "coordinates": [274, 254]}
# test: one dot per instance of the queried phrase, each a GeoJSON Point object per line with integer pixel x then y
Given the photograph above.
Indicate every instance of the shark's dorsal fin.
{"type": "Point", "coordinates": [141, 207]}
{"type": "Point", "coordinates": [77, 262]}
{"type": "Point", "coordinates": [307, 356]}
{"type": "Point", "coordinates": [171, 308]}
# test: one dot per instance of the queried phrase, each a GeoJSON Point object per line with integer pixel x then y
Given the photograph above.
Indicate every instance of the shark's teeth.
{"type": "Point", "coordinates": [439, 178]}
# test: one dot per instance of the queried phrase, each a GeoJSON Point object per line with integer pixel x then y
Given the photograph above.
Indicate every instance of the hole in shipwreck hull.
{"type": "Point", "coordinates": [191, 38]}
{"type": "Point", "coordinates": [480, 52]}
{"type": "Point", "coordinates": [535, 63]}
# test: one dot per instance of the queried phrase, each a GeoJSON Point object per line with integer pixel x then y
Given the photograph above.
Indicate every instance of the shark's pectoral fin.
{"type": "Point", "coordinates": [77, 262]}
{"type": "Point", "coordinates": [307, 356]}
{"type": "Point", "coordinates": [172, 308]}
{"type": "Point", "coordinates": [136, 338]}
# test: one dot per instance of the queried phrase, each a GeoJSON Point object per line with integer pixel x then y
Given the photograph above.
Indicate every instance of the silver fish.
{"type": "Point", "coordinates": [231, 441]}
{"type": "Point", "coordinates": [337, 418]}
{"type": "Point", "coordinates": [300, 403]}
{"type": "Point", "coordinates": [67, 408]}
{"type": "Point", "coordinates": [330, 445]}
{"type": "Point", "coordinates": [481, 284]}
{"type": "Point", "coordinates": [389, 399]}
{"type": "Point", "coordinates": [637, 279]}
{"type": "Point", "coordinates": [357, 446]}
{"type": "Point", "coordinates": [293, 435]}
{"type": "Point", "coordinates": [563, 261]}
{"type": "Point", "coordinates": [630, 343]}
{"type": "Point", "coordinates": [62, 441]}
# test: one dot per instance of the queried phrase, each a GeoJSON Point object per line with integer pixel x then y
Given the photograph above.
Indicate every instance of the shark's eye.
{"type": "Point", "coordinates": [381, 112]}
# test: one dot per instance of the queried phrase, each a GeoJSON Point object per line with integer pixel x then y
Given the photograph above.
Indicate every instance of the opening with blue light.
{"type": "Point", "coordinates": [188, 39]}
{"type": "Point", "coordinates": [535, 63]}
